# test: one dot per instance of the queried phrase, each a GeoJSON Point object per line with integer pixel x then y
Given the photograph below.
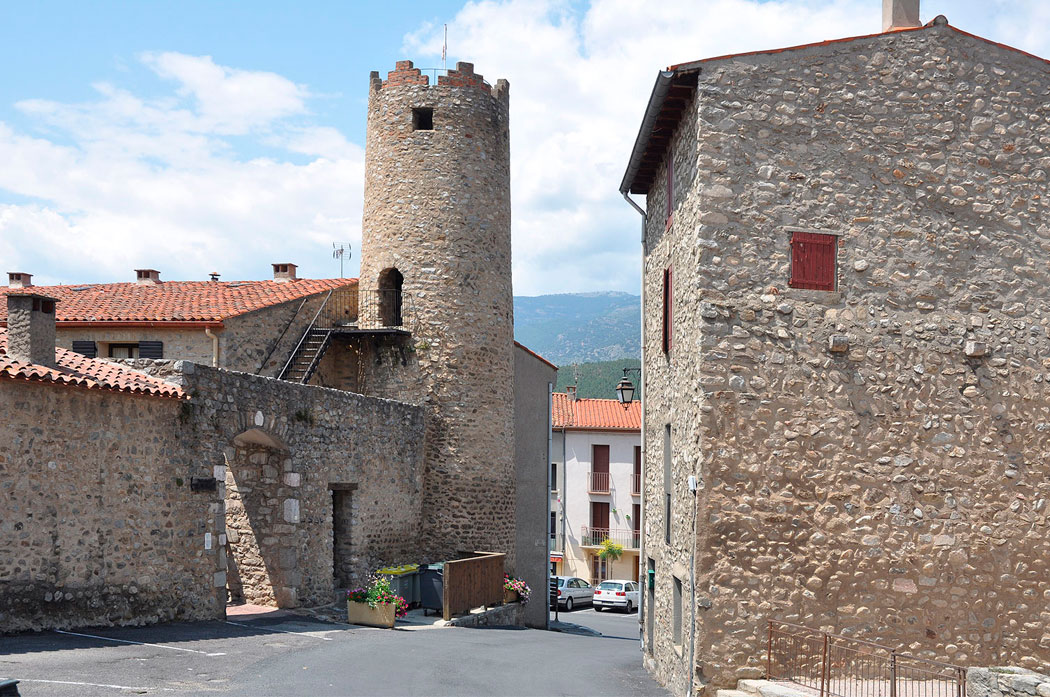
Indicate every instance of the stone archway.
{"type": "Point", "coordinates": [262, 520]}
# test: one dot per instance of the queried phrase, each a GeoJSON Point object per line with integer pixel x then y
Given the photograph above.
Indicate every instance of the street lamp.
{"type": "Point", "coordinates": [625, 388]}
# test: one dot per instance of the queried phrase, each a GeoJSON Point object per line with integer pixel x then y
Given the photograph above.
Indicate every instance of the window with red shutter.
{"type": "Point", "coordinates": [813, 260]}
{"type": "Point", "coordinates": [667, 314]}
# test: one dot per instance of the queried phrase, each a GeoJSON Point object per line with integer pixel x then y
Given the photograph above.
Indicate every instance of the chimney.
{"type": "Point", "coordinates": [284, 272]}
{"type": "Point", "coordinates": [17, 279]}
{"type": "Point", "coordinates": [214, 275]}
{"type": "Point", "coordinates": [147, 277]}
{"type": "Point", "coordinates": [900, 14]}
{"type": "Point", "coordinates": [31, 328]}
{"type": "Point", "coordinates": [571, 391]}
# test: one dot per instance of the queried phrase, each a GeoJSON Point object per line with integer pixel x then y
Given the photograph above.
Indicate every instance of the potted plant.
{"type": "Point", "coordinates": [375, 605]}
{"type": "Point", "coordinates": [515, 589]}
{"type": "Point", "coordinates": [610, 550]}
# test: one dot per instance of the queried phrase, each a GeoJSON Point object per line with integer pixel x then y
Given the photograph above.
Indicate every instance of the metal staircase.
{"type": "Point", "coordinates": [307, 355]}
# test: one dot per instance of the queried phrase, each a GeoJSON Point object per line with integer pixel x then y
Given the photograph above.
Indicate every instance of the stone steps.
{"type": "Point", "coordinates": [763, 688]}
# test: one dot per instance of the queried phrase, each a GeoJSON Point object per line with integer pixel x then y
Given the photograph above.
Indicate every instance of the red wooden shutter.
{"type": "Point", "coordinates": [600, 458]}
{"type": "Point", "coordinates": [667, 311]}
{"type": "Point", "coordinates": [599, 515]}
{"type": "Point", "coordinates": [813, 261]}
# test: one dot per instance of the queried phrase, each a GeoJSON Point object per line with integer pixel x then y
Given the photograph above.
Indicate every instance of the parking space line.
{"type": "Point", "coordinates": [95, 684]}
{"type": "Point", "coordinates": [139, 643]}
{"type": "Point", "coordinates": [279, 631]}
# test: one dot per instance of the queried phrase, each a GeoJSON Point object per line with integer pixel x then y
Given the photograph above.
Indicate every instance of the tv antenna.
{"type": "Point", "coordinates": [340, 252]}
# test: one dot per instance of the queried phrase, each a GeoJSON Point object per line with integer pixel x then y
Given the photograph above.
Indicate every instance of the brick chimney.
{"type": "Point", "coordinates": [18, 279]}
{"type": "Point", "coordinates": [31, 328]}
{"type": "Point", "coordinates": [900, 14]}
{"type": "Point", "coordinates": [147, 277]}
{"type": "Point", "coordinates": [284, 272]}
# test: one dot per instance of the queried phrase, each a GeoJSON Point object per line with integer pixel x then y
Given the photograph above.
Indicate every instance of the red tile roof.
{"type": "Point", "coordinates": [79, 371]}
{"type": "Point", "coordinates": [595, 414]}
{"type": "Point", "coordinates": [172, 301]}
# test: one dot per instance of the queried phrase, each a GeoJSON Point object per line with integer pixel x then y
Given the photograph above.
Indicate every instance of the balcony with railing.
{"type": "Point", "coordinates": [636, 485]}
{"type": "Point", "coordinates": [357, 309]}
{"type": "Point", "coordinates": [598, 483]}
{"type": "Point", "coordinates": [593, 537]}
{"type": "Point", "coordinates": [555, 544]}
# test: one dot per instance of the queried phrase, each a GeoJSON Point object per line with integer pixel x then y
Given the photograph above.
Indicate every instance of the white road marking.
{"type": "Point", "coordinates": [139, 643]}
{"type": "Point", "coordinates": [95, 684]}
{"type": "Point", "coordinates": [279, 631]}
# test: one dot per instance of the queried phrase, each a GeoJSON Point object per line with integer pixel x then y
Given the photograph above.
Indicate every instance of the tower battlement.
{"type": "Point", "coordinates": [463, 75]}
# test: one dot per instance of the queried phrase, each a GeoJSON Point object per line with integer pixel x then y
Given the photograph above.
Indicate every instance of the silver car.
{"type": "Point", "coordinates": [574, 591]}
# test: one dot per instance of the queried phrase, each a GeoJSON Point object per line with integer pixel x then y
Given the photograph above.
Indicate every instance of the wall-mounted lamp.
{"type": "Point", "coordinates": [625, 388]}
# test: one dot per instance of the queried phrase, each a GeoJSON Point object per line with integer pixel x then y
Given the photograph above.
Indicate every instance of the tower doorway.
{"type": "Point", "coordinates": [391, 283]}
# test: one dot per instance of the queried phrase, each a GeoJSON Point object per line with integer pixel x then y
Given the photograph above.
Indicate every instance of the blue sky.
{"type": "Point", "coordinates": [200, 136]}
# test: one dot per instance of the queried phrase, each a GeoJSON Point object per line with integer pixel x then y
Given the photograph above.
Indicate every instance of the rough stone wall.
{"type": "Point", "coordinates": [31, 334]}
{"type": "Point", "coordinates": [377, 365]}
{"type": "Point", "coordinates": [1006, 682]}
{"type": "Point", "coordinates": [261, 342]}
{"type": "Point", "coordinates": [532, 381]}
{"type": "Point", "coordinates": [100, 526]}
{"type": "Point", "coordinates": [179, 344]}
{"type": "Point", "coordinates": [437, 208]}
{"type": "Point", "coordinates": [870, 460]}
{"type": "Point", "coordinates": [284, 448]}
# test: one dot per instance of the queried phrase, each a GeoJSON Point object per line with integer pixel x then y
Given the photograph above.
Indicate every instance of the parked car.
{"type": "Point", "coordinates": [616, 593]}
{"type": "Point", "coordinates": [573, 591]}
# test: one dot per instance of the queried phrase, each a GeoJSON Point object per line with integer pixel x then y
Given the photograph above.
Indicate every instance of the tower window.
{"type": "Point", "coordinates": [423, 119]}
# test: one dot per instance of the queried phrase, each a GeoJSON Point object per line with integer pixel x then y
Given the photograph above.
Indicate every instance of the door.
{"type": "Point", "coordinates": [599, 468]}
{"type": "Point", "coordinates": [342, 566]}
{"type": "Point", "coordinates": [599, 522]}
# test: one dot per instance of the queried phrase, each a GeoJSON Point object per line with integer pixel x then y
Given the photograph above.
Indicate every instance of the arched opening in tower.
{"type": "Point", "coordinates": [390, 285]}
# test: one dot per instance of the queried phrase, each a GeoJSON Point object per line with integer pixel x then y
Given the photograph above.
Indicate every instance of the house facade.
{"type": "Point", "coordinates": [596, 487]}
{"type": "Point", "coordinates": [845, 350]}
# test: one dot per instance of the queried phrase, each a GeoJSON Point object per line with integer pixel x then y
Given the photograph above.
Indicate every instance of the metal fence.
{"type": "Point", "coordinates": [839, 666]}
{"type": "Point", "coordinates": [628, 539]}
{"type": "Point", "coordinates": [365, 309]}
{"type": "Point", "coordinates": [599, 482]}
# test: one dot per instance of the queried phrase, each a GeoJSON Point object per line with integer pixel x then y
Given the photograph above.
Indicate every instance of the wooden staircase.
{"type": "Point", "coordinates": [307, 356]}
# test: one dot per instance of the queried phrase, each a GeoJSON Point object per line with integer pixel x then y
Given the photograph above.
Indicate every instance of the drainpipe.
{"type": "Point", "coordinates": [643, 567]}
{"type": "Point", "coordinates": [550, 448]}
{"type": "Point", "coordinates": [214, 346]}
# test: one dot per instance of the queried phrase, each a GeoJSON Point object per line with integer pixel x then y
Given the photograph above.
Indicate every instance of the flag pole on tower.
{"type": "Point", "coordinates": [444, 50]}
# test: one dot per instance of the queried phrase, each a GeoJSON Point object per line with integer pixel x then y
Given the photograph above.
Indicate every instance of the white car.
{"type": "Point", "coordinates": [573, 591]}
{"type": "Point", "coordinates": [616, 593]}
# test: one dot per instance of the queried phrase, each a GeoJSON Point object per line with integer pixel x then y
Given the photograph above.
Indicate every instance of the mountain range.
{"type": "Point", "coordinates": [579, 327]}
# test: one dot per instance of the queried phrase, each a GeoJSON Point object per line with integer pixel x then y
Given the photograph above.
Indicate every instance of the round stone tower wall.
{"type": "Point", "coordinates": [437, 209]}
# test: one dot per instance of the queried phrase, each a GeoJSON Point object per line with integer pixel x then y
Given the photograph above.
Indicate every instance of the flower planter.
{"type": "Point", "coordinates": [382, 615]}
{"type": "Point", "coordinates": [510, 596]}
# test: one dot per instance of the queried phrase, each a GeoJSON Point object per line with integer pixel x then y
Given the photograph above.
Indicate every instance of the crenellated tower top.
{"type": "Point", "coordinates": [463, 75]}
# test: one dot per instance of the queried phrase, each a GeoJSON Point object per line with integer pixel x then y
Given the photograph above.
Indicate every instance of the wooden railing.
{"type": "Point", "coordinates": [473, 582]}
{"type": "Point", "coordinates": [599, 483]}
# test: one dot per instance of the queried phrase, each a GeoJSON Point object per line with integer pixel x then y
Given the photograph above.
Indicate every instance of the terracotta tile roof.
{"type": "Point", "coordinates": [532, 353]}
{"type": "Point", "coordinates": [172, 301]}
{"type": "Point", "coordinates": [80, 371]}
{"type": "Point", "coordinates": [595, 414]}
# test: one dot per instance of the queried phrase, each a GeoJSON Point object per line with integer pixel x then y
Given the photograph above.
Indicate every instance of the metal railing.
{"type": "Point", "coordinates": [636, 485]}
{"type": "Point", "coordinates": [555, 545]}
{"type": "Point", "coordinates": [365, 309]}
{"type": "Point", "coordinates": [599, 483]}
{"type": "Point", "coordinates": [839, 666]}
{"type": "Point", "coordinates": [592, 537]}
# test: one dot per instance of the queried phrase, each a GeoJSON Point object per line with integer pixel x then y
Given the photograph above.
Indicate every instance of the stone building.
{"type": "Point", "coordinates": [248, 326]}
{"type": "Point", "coordinates": [846, 250]}
{"type": "Point", "coordinates": [596, 466]}
{"type": "Point", "coordinates": [406, 424]}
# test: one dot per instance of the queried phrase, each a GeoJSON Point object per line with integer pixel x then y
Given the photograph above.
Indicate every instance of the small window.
{"type": "Point", "coordinates": [423, 119]}
{"type": "Point", "coordinates": [85, 348]}
{"type": "Point", "coordinates": [554, 476]}
{"type": "Point", "coordinates": [47, 307]}
{"type": "Point", "coordinates": [668, 315]}
{"type": "Point", "coordinates": [123, 350]}
{"type": "Point", "coordinates": [676, 616]}
{"type": "Point", "coordinates": [813, 261]}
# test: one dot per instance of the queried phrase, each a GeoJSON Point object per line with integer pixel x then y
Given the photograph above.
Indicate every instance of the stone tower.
{"type": "Point", "coordinates": [437, 226]}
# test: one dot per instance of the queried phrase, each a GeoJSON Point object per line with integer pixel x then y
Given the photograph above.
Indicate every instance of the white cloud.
{"type": "Point", "coordinates": [125, 181]}
{"type": "Point", "coordinates": [579, 85]}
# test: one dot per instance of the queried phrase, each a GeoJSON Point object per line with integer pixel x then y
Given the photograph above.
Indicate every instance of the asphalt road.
{"type": "Point", "coordinates": [295, 655]}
